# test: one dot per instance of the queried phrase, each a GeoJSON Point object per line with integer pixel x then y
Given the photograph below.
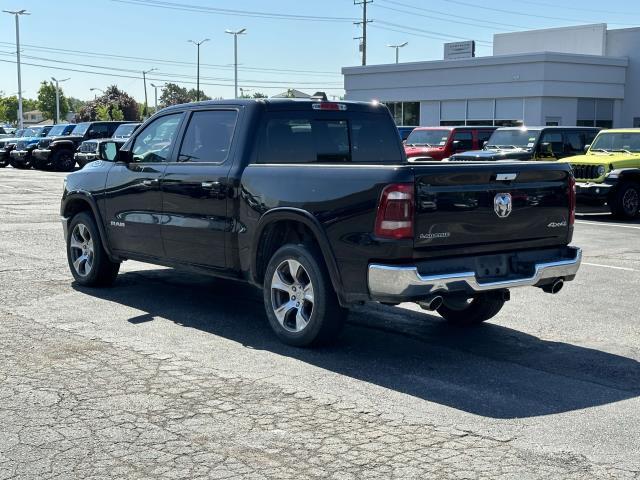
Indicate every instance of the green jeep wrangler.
{"type": "Point", "coordinates": [610, 172]}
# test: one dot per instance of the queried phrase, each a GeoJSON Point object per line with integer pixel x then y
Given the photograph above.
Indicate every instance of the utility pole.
{"type": "Point", "coordinates": [58, 97]}
{"type": "Point", "coordinates": [95, 95]}
{"type": "Point", "coordinates": [364, 23]}
{"type": "Point", "coordinates": [17, 15]}
{"type": "Point", "coordinates": [235, 55]}
{"type": "Point", "coordinates": [144, 79]}
{"type": "Point", "coordinates": [197, 44]}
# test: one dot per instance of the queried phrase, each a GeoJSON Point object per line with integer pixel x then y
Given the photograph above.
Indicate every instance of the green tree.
{"type": "Point", "coordinates": [75, 104]}
{"type": "Point", "coordinates": [259, 95]}
{"type": "Point", "coordinates": [9, 109]}
{"type": "Point", "coordinates": [173, 94]}
{"type": "Point", "coordinates": [47, 101]}
{"type": "Point", "coordinates": [193, 95]}
{"type": "Point", "coordinates": [114, 104]}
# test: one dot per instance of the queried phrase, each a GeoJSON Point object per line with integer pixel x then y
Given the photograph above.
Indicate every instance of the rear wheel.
{"type": "Point", "coordinates": [20, 165]}
{"type": "Point", "coordinates": [301, 304]}
{"type": "Point", "coordinates": [472, 310]}
{"type": "Point", "coordinates": [88, 261]}
{"type": "Point", "coordinates": [63, 160]}
{"type": "Point", "coordinates": [625, 202]}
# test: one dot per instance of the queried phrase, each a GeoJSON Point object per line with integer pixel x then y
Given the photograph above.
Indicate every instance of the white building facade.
{"type": "Point", "coordinates": [586, 76]}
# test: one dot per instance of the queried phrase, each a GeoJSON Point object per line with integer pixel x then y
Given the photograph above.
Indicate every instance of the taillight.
{"type": "Point", "coordinates": [395, 212]}
{"type": "Point", "coordinates": [572, 199]}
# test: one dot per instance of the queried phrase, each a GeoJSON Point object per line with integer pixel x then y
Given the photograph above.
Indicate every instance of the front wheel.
{"type": "Point", "coordinates": [88, 261]}
{"type": "Point", "coordinates": [63, 160]}
{"type": "Point", "coordinates": [301, 305]}
{"type": "Point", "coordinates": [471, 311]}
{"type": "Point", "coordinates": [625, 202]}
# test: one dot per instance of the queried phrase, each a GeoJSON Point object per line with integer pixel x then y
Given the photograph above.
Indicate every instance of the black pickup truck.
{"type": "Point", "coordinates": [315, 203]}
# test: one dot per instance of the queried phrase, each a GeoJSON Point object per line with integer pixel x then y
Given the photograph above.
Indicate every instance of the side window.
{"type": "Point", "coordinates": [551, 144]}
{"type": "Point", "coordinates": [374, 140]}
{"type": "Point", "coordinates": [155, 141]}
{"type": "Point", "coordinates": [99, 130]}
{"type": "Point", "coordinates": [464, 141]}
{"type": "Point", "coordinates": [483, 136]}
{"type": "Point", "coordinates": [573, 142]}
{"type": "Point", "coordinates": [208, 136]}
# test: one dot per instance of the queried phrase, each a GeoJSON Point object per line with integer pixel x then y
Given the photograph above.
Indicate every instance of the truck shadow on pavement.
{"type": "Point", "coordinates": [490, 370]}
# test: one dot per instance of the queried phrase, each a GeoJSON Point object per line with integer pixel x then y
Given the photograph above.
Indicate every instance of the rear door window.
{"type": "Point", "coordinates": [574, 142]}
{"type": "Point", "coordinates": [463, 141]}
{"type": "Point", "coordinates": [208, 136]}
{"type": "Point", "coordinates": [483, 136]}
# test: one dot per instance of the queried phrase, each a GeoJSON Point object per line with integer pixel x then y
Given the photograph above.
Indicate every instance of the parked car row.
{"type": "Point", "coordinates": [61, 147]}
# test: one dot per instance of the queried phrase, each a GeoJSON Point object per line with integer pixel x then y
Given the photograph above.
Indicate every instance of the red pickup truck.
{"type": "Point", "coordinates": [438, 143]}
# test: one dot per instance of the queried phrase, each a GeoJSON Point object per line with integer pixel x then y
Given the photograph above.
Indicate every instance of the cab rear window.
{"type": "Point", "coordinates": [296, 138]}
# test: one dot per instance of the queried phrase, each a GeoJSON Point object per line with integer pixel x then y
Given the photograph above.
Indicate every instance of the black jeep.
{"type": "Point", "coordinates": [89, 150]}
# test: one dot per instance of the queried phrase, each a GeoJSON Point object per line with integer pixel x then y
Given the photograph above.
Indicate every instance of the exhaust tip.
{"type": "Point", "coordinates": [432, 303]}
{"type": "Point", "coordinates": [555, 287]}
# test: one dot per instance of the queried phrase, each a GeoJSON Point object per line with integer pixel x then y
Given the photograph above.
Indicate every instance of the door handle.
{"type": "Point", "coordinates": [211, 185]}
{"type": "Point", "coordinates": [149, 183]}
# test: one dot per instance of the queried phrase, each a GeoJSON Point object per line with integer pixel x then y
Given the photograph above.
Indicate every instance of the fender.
{"type": "Point", "coordinates": [87, 198]}
{"type": "Point", "coordinates": [304, 217]}
{"type": "Point", "coordinates": [614, 177]}
{"type": "Point", "coordinates": [62, 144]}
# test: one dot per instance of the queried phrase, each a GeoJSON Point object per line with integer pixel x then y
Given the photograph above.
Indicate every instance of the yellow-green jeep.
{"type": "Point", "coordinates": [610, 172]}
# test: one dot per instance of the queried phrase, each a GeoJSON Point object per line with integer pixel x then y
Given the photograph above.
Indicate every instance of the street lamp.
{"type": "Point", "coordinates": [156, 87]}
{"type": "Point", "coordinates": [398, 47]}
{"type": "Point", "coordinates": [17, 15]}
{"type": "Point", "coordinates": [197, 44]}
{"type": "Point", "coordinates": [58, 97]}
{"type": "Point", "coordinates": [95, 96]}
{"type": "Point", "coordinates": [144, 79]}
{"type": "Point", "coordinates": [235, 55]}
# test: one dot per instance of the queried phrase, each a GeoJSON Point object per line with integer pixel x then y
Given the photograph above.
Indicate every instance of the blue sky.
{"type": "Point", "coordinates": [277, 53]}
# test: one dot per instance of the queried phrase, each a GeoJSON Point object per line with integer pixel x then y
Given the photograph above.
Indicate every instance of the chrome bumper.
{"type": "Point", "coordinates": [405, 282]}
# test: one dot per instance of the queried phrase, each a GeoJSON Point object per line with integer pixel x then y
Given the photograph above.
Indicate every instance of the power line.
{"type": "Point", "coordinates": [449, 17]}
{"type": "Point", "coordinates": [231, 12]}
{"type": "Point", "coordinates": [169, 74]}
{"type": "Point", "coordinates": [127, 58]}
{"type": "Point", "coordinates": [530, 15]}
{"type": "Point", "coordinates": [435, 34]}
{"type": "Point", "coordinates": [158, 79]}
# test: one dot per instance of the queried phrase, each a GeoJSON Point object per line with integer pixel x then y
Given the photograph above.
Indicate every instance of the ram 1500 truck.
{"type": "Point", "coordinates": [315, 203]}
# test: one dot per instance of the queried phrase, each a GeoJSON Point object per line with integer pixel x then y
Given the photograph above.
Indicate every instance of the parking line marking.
{"type": "Point", "coordinates": [609, 266]}
{"type": "Point", "coordinates": [608, 224]}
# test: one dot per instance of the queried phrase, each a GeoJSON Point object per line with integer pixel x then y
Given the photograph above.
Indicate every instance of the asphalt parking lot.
{"type": "Point", "coordinates": [171, 375]}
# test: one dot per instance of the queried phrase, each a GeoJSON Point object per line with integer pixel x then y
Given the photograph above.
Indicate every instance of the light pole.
{"type": "Point", "coordinates": [197, 44]}
{"type": "Point", "coordinates": [144, 79]}
{"type": "Point", "coordinates": [398, 47]}
{"type": "Point", "coordinates": [17, 15]}
{"type": "Point", "coordinates": [156, 87]}
{"type": "Point", "coordinates": [235, 55]}
{"type": "Point", "coordinates": [58, 97]}
{"type": "Point", "coordinates": [95, 96]}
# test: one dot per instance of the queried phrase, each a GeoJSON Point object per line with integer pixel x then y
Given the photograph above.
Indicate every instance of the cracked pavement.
{"type": "Point", "coordinates": [172, 375]}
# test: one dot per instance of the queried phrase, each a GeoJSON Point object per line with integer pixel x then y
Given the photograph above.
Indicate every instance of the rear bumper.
{"type": "Point", "coordinates": [393, 283]}
{"type": "Point", "coordinates": [22, 156]}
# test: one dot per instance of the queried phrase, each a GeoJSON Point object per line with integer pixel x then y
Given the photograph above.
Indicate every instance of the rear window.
{"type": "Point", "coordinates": [296, 138]}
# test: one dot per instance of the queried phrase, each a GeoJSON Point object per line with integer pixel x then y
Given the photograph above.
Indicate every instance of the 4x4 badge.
{"type": "Point", "coordinates": [503, 204]}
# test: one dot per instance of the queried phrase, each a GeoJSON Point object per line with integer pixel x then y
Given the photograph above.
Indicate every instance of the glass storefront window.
{"type": "Point", "coordinates": [405, 113]}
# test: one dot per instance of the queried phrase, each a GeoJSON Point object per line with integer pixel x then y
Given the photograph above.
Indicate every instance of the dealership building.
{"type": "Point", "coordinates": [585, 75]}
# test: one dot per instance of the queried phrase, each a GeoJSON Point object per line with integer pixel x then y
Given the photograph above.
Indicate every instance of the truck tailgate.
{"type": "Point", "coordinates": [484, 204]}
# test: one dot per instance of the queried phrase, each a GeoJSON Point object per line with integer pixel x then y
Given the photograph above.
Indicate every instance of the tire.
{"type": "Point", "coordinates": [83, 242]}
{"type": "Point", "coordinates": [20, 166]}
{"type": "Point", "coordinates": [318, 318]}
{"type": "Point", "coordinates": [466, 312]}
{"type": "Point", "coordinates": [63, 161]}
{"type": "Point", "coordinates": [625, 201]}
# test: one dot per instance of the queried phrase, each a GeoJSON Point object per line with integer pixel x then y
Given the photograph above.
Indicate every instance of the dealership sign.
{"type": "Point", "coordinates": [456, 50]}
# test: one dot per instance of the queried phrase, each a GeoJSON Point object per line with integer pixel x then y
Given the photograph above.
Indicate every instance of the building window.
{"type": "Point", "coordinates": [636, 122]}
{"type": "Point", "coordinates": [508, 123]}
{"type": "Point", "coordinates": [595, 112]}
{"type": "Point", "coordinates": [405, 113]}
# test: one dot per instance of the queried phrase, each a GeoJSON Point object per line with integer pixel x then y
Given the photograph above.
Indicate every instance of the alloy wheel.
{"type": "Point", "coordinates": [292, 295]}
{"type": "Point", "coordinates": [631, 201]}
{"type": "Point", "coordinates": [82, 250]}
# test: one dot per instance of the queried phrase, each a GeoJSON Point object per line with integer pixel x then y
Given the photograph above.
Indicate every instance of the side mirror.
{"type": "Point", "coordinates": [586, 148]}
{"type": "Point", "coordinates": [110, 152]}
